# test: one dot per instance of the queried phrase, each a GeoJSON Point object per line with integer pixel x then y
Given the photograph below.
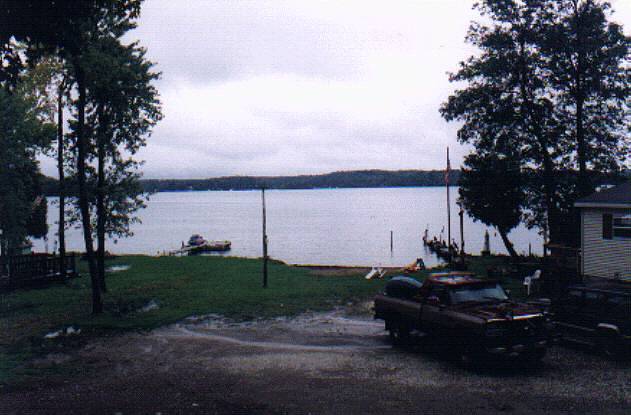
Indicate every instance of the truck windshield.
{"type": "Point", "coordinates": [477, 293]}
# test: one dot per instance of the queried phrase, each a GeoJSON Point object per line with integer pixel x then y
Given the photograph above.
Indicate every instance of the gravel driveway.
{"type": "Point", "coordinates": [336, 362]}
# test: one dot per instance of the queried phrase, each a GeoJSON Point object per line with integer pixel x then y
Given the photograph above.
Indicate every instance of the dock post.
{"type": "Point", "coordinates": [264, 240]}
{"type": "Point", "coordinates": [461, 214]}
{"type": "Point", "coordinates": [447, 172]}
{"type": "Point", "coordinates": [391, 241]}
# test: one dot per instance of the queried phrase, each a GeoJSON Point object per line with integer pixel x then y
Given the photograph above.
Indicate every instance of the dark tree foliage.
{"type": "Point", "coordinates": [587, 66]}
{"type": "Point", "coordinates": [22, 208]}
{"type": "Point", "coordinates": [63, 24]}
{"type": "Point", "coordinates": [66, 29]}
{"type": "Point", "coordinates": [123, 107]}
{"type": "Point", "coordinates": [341, 179]}
{"type": "Point", "coordinates": [527, 91]}
{"type": "Point", "coordinates": [505, 106]}
{"type": "Point", "coordinates": [492, 191]}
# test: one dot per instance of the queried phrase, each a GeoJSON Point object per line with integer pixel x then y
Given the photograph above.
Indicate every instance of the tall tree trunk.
{"type": "Point", "coordinates": [549, 189]}
{"type": "Point", "coordinates": [84, 206]}
{"type": "Point", "coordinates": [100, 200]}
{"type": "Point", "coordinates": [507, 243]}
{"type": "Point", "coordinates": [549, 185]}
{"type": "Point", "coordinates": [62, 190]}
{"type": "Point", "coordinates": [581, 145]}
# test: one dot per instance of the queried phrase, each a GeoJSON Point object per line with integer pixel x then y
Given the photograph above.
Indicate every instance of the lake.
{"type": "Point", "coordinates": [323, 226]}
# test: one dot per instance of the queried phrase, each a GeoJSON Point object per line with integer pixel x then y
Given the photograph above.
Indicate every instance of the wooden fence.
{"type": "Point", "coordinates": [18, 271]}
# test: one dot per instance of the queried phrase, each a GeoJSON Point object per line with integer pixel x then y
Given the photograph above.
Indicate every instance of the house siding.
{"type": "Point", "coordinates": [603, 257]}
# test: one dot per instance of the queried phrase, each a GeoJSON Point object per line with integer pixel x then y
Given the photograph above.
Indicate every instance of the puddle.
{"type": "Point", "coordinates": [182, 331]}
{"type": "Point", "coordinates": [53, 334]}
{"type": "Point", "coordinates": [68, 331]}
{"type": "Point", "coordinates": [118, 268]}
{"type": "Point", "coordinates": [316, 332]}
{"type": "Point", "coordinates": [151, 305]}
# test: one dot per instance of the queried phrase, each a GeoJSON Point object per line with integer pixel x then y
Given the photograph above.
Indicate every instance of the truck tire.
{"type": "Point", "coordinates": [611, 345]}
{"type": "Point", "coordinates": [535, 357]}
{"type": "Point", "coordinates": [399, 333]}
{"type": "Point", "coordinates": [466, 358]}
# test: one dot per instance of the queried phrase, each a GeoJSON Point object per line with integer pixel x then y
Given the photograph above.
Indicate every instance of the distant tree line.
{"type": "Point", "coordinates": [341, 179]}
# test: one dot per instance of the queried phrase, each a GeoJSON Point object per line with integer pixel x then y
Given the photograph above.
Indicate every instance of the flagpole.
{"type": "Point", "coordinates": [448, 204]}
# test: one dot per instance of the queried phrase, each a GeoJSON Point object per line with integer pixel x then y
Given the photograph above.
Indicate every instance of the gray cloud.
{"type": "Point", "coordinates": [271, 87]}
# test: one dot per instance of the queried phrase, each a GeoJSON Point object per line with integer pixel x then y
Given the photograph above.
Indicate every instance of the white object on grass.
{"type": "Point", "coordinates": [375, 272]}
{"type": "Point", "coordinates": [531, 280]}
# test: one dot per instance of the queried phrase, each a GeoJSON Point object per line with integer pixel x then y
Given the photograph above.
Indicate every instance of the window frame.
{"type": "Point", "coordinates": [621, 226]}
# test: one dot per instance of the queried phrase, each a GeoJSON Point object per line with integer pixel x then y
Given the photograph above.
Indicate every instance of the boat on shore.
{"type": "Point", "coordinates": [197, 244]}
{"type": "Point", "coordinates": [210, 246]}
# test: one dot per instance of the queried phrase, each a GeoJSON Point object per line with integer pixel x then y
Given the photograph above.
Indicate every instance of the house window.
{"type": "Point", "coordinates": [607, 226]}
{"type": "Point", "coordinates": [622, 227]}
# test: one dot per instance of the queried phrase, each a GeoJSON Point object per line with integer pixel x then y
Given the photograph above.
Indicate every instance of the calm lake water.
{"type": "Point", "coordinates": [324, 226]}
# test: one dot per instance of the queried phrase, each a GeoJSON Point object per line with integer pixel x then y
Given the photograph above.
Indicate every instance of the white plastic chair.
{"type": "Point", "coordinates": [531, 280]}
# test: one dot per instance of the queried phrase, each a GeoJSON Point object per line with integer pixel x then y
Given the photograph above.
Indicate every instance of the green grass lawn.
{"type": "Point", "coordinates": [181, 287]}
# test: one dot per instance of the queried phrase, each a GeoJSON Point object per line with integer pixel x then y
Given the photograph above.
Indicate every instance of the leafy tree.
{"type": "Point", "coordinates": [45, 82]}
{"type": "Point", "coordinates": [492, 191]}
{"type": "Point", "coordinates": [515, 98]}
{"type": "Point", "coordinates": [506, 104]}
{"type": "Point", "coordinates": [22, 208]}
{"type": "Point", "coordinates": [124, 107]}
{"type": "Point", "coordinates": [587, 65]}
{"type": "Point", "coordinates": [66, 29]}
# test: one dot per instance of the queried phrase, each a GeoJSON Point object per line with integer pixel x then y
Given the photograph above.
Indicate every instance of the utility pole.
{"type": "Point", "coordinates": [461, 213]}
{"type": "Point", "coordinates": [448, 207]}
{"type": "Point", "coordinates": [264, 240]}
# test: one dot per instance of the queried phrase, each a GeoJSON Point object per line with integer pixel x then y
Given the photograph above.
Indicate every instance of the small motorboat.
{"type": "Point", "coordinates": [196, 240]}
{"type": "Point", "coordinates": [197, 244]}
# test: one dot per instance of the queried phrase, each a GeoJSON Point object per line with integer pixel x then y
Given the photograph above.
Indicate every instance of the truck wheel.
{"type": "Point", "coordinates": [537, 356]}
{"type": "Point", "coordinates": [399, 333]}
{"type": "Point", "coordinates": [465, 358]}
{"type": "Point", "coordinates": [611, 346]}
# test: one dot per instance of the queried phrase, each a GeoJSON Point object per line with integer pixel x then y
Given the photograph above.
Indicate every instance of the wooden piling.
{"type": "Point", "coordinates": [264, 240]}
{"type": "Point", "coordinates": [447, 172]}
{"type": "Point", "coordinates": [391, 241]}
{"type": "Point", "coordinates": [461, 213]}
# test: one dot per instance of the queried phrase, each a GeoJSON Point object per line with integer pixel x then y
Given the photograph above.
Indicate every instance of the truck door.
{"type": "Point", "coordinates": [405, 303]}
{"type": "Point", "coordinates": [432, 313]}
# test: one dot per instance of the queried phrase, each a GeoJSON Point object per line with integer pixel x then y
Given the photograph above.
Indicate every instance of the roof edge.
{"type": "Point", "coordinates": [602, 205]}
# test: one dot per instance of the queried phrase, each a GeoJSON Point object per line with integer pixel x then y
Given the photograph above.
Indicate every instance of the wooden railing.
{"type": "Point", "coordinates": [23, 270]}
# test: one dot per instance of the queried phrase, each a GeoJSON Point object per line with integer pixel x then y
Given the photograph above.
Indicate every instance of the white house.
{"type": "Point", "coordinates": [606, 233]}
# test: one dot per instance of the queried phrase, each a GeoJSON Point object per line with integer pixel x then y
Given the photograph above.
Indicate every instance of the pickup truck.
{"type": "Point", "coordinates": [473, 316]}
{"type": "Point", "coordinates": [598, 314]}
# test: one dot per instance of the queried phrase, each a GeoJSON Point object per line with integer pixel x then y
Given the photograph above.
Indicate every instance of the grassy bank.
{"type": "Point", "coordinates": [169, 289]}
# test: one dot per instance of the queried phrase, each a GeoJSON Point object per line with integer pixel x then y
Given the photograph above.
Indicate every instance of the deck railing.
{"type": "Point", "coordinates": [23, 270]}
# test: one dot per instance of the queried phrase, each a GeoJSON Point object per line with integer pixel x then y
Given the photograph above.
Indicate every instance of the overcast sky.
{"type": "Point", "coordinates": [299, 87]}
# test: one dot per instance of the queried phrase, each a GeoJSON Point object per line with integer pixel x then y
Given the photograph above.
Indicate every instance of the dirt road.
{"type": "Point", "coordinates": [331, 363]}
